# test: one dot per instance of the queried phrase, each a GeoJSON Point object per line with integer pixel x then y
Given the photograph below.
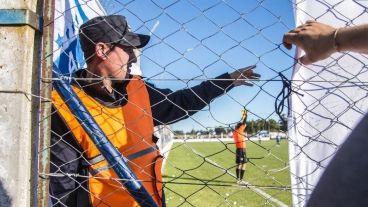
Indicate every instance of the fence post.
{"type": "Point", "coordinates": [19, 110]}
{"type": "Point", "coordinates": [45, 107]}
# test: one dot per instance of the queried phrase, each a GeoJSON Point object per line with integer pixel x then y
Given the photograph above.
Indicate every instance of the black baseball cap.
{"type": "Point", "coordinates": [111, 29]}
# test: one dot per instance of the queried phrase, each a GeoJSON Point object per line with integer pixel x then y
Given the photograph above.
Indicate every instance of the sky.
{"type": "Point", "coordinates": [193, 40]}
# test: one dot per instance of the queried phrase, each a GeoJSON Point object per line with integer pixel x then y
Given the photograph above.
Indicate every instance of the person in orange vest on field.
{"type": "Point", "coordinates": [240, 145]}
{"type": "Point", "coordinates": [126, 108]}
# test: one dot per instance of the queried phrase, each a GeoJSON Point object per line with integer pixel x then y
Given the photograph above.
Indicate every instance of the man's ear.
{"type": "Point", "coordinates": [101, 50]}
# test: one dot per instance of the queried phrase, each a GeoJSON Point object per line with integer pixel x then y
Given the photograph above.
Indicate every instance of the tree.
{"type": "Point", "coordinates": [178, 132]}
{"type": "Point", "coordinates": [220, 130]}
{"type": "Point", "coordinates": [283, 123]}
{"type": "Point", "coordinates": [274, 126]}
{"type": "Point", "coordinates": [192, 132]}
{"type": "Point", "coordinates": [251, 127]}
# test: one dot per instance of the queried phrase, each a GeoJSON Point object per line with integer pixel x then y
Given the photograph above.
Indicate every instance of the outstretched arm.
{"type": "Point", "coordinates": [169, 107]}
{"type": "Point", "coordinates": [244, 116]}
{"type": "Point", "coordinates": [320, 40]}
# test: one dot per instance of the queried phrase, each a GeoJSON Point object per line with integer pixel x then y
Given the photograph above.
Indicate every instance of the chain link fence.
{"type": "Point", "coordinates": [192, 43]}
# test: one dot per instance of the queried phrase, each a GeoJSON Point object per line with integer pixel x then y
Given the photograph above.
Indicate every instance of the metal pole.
{"type": "Point", "coordinates": [45, 108]}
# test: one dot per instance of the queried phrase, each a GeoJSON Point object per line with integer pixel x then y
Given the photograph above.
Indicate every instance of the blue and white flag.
{"type": "Point", "coordinates": [69, 15]}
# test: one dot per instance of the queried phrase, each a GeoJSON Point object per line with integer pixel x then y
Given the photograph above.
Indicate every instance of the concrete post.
{"type": "Point", "coordinates": [19, 77]}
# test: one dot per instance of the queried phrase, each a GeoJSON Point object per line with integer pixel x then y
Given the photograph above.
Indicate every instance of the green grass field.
{"type": "Point", "coordinates": [201, 174]}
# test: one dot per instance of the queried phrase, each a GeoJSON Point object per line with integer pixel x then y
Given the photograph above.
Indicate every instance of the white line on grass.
{"type": "Point", "coordinates": [249, 185]}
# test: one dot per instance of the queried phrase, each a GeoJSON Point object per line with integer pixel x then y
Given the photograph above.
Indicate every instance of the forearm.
{"type": "Point", "coordinates": [319, 40]}
{"type": "Point", "coordinates": [353, 39]}
{"type": "Point", "coordinates": [169, 107]}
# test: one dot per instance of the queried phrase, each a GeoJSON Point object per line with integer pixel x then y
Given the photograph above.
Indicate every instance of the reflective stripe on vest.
{"type": "Point", "coordinates": [101, 158]}
{"type": "Point", "coordinates": [130, 130]}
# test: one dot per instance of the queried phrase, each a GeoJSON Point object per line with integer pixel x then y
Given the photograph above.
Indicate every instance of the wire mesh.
{"type": "Point", "coordinates": [192, 43]}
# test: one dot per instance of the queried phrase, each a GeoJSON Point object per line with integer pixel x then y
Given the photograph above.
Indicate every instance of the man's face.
{"type": "Point", "coordinates": [119, 60]}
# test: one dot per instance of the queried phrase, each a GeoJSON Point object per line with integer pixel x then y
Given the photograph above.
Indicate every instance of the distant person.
{"type": "Point", "coordinates": [240, 145]}
{"type": "Point", "coordinates": [278, 139]}
{"type": "Point", "coordinates": [259, 138]}
{"type": "Point", "coordinates": [339, 185]}
{"type": "Point", "coordinates": [126, 108]}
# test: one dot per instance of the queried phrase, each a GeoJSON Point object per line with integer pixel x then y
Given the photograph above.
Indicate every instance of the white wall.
{"type": "Point", "coordinates": [16, 66]}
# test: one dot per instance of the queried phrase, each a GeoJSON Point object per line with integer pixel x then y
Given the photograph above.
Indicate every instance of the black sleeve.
{"type": "Point", "coordinates": [169, 107]}
{"type": "Point", "coordinates": [65, 163]}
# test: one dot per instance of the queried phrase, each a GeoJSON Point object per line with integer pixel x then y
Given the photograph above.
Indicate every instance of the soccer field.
{"type": "Point", "coordinates": [202, 174]}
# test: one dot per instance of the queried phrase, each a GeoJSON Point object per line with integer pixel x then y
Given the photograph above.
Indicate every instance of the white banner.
{"type": "Point", "coordinates": [333, 102]}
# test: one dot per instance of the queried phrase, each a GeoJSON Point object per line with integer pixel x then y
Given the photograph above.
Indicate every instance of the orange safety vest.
{"type": "Point", "coordinates": [130, 130]}
{"type": "Point", "coordinates": [239, 137]}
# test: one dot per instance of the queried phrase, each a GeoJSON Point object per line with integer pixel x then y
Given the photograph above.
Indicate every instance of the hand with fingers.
{"type": "Point", "coordinates": [316, 39]}
{"type": "Point", "coordinates": [320, 40]}
{"type": "Point", "coordinates": [240, 76]}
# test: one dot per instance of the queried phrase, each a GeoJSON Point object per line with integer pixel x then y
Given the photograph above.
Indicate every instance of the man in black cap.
{"type": "Point", "coordinates": [126, 108]}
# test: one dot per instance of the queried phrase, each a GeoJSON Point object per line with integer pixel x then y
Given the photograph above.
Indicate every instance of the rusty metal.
{"type": "Point", "coordinates": [45, 110]}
